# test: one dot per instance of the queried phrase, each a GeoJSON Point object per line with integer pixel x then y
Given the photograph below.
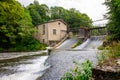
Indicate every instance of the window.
{"type": "Point", "coordinates": [43, 29]}
{"type": "Point", "coordinates": [54, 31]}
{"type": "Point", "coordinates": [43, 40]}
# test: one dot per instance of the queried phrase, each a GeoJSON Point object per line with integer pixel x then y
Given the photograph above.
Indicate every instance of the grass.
{"type": "Point", "coordinates": [77, 43]}
{"type": "Point", "coordinates": [110, 51]}
{"type": "Point", "coordinates": [80, 72]}
{"type": "Point", "coordinates": [114, 49]}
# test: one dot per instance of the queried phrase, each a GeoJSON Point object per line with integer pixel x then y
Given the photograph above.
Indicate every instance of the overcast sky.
{"type": "Point", "coordinates": [93, 8]}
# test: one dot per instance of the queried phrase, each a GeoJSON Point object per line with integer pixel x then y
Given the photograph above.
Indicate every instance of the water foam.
{"type": "Point", "coordinates": [28, 71]}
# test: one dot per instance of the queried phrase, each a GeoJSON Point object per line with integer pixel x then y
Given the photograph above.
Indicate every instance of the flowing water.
{"type": "Point", "coordinates": [91, 43]}
{"type": "Point", "coordinates": [62, 60]}
{"type": "Point", "coordinates": [23, 68]}
{"type": "Point", "coordinates": [31, 67]}
{"type": "Point", "coordinates": [67, 44]}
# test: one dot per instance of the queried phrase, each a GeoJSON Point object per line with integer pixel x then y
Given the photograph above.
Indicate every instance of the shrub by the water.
{"type": "Point", "coordinates": [115, 49]}
{"type": "Point", "coordinates": [81, 72]}
{"type": "Point", "coordinates": [28, 45]}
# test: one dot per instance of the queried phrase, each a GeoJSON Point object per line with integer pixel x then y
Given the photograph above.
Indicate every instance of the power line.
{"type": "Point", "coordinates": [99, 20]}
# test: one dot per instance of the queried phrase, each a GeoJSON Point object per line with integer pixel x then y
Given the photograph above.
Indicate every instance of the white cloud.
{"type": "Point", "coordinates": [93, 8]}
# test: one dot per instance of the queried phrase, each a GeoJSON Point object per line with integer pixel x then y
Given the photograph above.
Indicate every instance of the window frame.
{"type": "Point", "coordinates": [43, 33]}
{"type": "Point", "coordinates": [54, 31]}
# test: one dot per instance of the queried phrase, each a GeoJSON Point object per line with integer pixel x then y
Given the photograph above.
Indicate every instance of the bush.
{"type": "Point", "coordinates": [111, 51]}
{"type": "Point", "coordinates": [103, 55]}
{"type": "Point", "coordinates": [114, 50]}
{"type": "Point", "coordinates": [29, 44]}
{"type": "Point", "coordinates": [81, 72]}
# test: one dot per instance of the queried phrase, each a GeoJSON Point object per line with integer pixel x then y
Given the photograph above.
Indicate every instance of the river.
{"type": "Point", "coordinates": [32, 67]}
{"type": "Point", "coordinates": [28, 67]}
{"type": "Point", "coordinates": [61, 60]}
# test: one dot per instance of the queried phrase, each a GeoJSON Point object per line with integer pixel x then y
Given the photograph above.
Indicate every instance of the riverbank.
{"type": "Point", "coordinates": [10, 55]}
{"type": "Point", "coordinates": [108, 70]}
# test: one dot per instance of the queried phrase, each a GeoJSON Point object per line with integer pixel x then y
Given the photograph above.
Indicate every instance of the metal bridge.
{"type": "Point", "coordinates": [87, 32]}
{"type": "Point", "coordinates": [84, 32]}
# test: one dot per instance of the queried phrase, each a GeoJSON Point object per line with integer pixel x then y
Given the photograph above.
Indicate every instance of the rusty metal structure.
{"type": "Point", "coordinates": [85, 33]}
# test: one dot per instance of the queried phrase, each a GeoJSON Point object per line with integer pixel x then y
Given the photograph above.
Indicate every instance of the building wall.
{"type": "Point", "coordinates": [43, 33]}
{"type": "Point", "coordinates": [39, 34]}
{"type": "Point", "coordinates": [59, 26]}
{"type": "Point", "coordinates": [49, 37]}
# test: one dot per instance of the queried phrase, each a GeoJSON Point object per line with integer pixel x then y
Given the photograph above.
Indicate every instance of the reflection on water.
{"type": "Point", "coordinates": [23, 68]}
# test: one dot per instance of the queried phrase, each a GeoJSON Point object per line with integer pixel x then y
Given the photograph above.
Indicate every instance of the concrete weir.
{"type": "Point", "coordinates": [61, 59]}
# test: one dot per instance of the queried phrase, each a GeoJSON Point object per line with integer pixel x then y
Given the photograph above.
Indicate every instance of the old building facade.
{"type": "Point", "coordinates": [51, 32]}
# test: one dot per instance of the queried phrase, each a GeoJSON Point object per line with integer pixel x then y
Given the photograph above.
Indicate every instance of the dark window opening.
{"type": "Point", "coordinates": [54, 31]}
{"type": "Point", "coordinates": [43, 29]}
{"type": "Point", "coordinates": [43, 40]}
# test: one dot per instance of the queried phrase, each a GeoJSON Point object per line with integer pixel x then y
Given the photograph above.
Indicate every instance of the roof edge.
{"type": "Point", "coordinates": [54, 21]}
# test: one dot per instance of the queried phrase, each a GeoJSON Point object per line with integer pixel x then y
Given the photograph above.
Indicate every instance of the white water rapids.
{"type": "Point", "coordinates": [91, 43]}
{"type": "Point", "coordinates": [32, 68]}
{"type": "Point", "coordinates": [28, 70]}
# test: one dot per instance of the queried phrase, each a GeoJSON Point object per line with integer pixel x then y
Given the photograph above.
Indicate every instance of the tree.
{"type": "Point", "coordinates": [57, 12]}
{"type": "Point", "coordinates": [36, 18]}
{"type": "Point", "coordinates": [39, 13]}
{"type": "Point", "coordinates": [73, 17]}
{"type": "Point", "coordinates": [15, 23]}
{"type": "Point", "coordinates": [114, 19]}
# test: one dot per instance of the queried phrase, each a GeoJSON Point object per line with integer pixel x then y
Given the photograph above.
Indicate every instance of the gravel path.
{"type": "Point", "coordinates": [62, 61]}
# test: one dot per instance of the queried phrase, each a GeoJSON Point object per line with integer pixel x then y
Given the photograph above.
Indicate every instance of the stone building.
{"type": "Point", "coordinates": [51, 32]}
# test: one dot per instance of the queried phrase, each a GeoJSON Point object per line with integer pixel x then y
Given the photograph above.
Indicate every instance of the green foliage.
{"type": "Point", "coordinates": [15, 23]}
{"type": "Point", "coordinates": [111, 51]}
{"type": "Point", "coordinates": [10, 15]}
{"type": "Point", "coordinates": [16, 28]}
{"type": "Point", "coordinates": [101, 47]}
{"type": "Point", "coordinates": [29, 44]}
{"type": "Point", "coordinates": [39, 13]}
{"type": "Point", "coordinates": [114, 19]}
{"type": "Point", "coordinates": [77, 43]}
{"type": "Point", "coordinates": [114, 49]}
{"type": "Point", "coordinates": [98, 32]}
{"type": "Point", "coordinates": [73, 17]}
{"type": "Point", "coordinates": [81, 72]}
{"type": "Point", "coordinates": [103, 55]}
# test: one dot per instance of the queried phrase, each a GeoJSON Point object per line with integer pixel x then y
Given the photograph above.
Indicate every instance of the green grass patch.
{"type": "Point", "coordinates": [77, 43]}
{"type": "Point", "coordinates": [111, 51]}
{"type": "Point", "coordinates": [80, 72]}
